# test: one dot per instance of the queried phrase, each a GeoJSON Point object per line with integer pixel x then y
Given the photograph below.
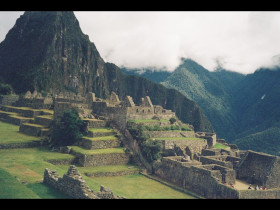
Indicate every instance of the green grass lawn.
{"type": "Point", "coordinates": [137, 187]}
{"type": "Point", "coordinates": [220, 146]}
{"type": "Point", "coordinates": [34, 125]}
{"type": "Point", "coordinates": [101, 130]}
{"type": "Point", "coordinates": [112, 168]}
{"type": "Point", "coordinates": [22, 170]}
{"type": "Point", "coordinates": [28, 165]}
{"type": "Point", "coordinates": [177, 138]}
{"type": "Point", "coordinates": [96, 151]}
{"type": "Point", "coordinates": [147, 120]}
{"type": "Point", "coordinates": [101, 138]}
{"type": "Point", "coordinates": [46, 116]}
{"type": "Point", "coordinates": [10, 134]}
{"type": "Point", "coordinates": [12, 188]}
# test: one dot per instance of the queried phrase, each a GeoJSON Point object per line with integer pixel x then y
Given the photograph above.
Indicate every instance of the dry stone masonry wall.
{"type": "Point", "coordinates": [73, 185]}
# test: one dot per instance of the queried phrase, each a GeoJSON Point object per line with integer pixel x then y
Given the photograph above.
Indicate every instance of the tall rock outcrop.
{"type": "Point", "coordinates": [48, 51]}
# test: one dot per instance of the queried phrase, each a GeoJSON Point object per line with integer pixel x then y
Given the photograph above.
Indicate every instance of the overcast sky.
{"type": "Point", "coordinates": [240, 41]}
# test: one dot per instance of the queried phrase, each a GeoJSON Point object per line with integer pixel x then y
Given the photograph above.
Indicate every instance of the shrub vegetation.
{"type": "Point", "coordinates": [68, 129]}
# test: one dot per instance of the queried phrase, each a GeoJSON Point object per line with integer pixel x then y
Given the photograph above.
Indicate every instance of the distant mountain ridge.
{"type": "Point", "coordinates": [47, 51]}
{"type": "Point", "coordinates": [241, 108]}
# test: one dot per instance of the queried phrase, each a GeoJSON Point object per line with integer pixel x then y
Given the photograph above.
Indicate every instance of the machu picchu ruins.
{"type": "Point", "coordinates": [152, 119]}
{"type": "Point", "coordinates": [195, 161]}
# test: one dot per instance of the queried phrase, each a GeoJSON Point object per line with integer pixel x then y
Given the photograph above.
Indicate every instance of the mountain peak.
{"type": "Point", "coordinates": [44, 43]}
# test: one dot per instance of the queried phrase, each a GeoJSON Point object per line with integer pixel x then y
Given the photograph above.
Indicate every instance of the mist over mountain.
{"type": "Point", "coordinates": [243, 109]}
{"type": "Point", "coordinates": [47, 51]}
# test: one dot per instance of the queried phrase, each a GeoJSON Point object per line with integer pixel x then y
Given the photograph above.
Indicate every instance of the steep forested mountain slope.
{"type": "Point", "coordinates": [244, 109]}
{"type": "Point", "coordinates": [209, 90]}
{"type": "Point", "coordinates": [47, 51]}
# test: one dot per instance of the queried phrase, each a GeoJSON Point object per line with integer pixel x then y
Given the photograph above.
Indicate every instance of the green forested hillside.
{"type": "Point", "coordinates": [243, 109]}
{"type": "Point", "coordinates": [153, 75]}
{"type": "Point", "coordinates": [267, 141]}
{"type": "Point", "coordinates": [256, 101]}
{"type": "Point", "coordinates": [206, 88]}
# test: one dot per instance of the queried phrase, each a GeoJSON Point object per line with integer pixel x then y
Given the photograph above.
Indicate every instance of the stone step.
{"type": "Point", "coordinates": [94, 123]}
{"type": "Point", "coordinates": [100, 132]}
{"type": "Point", "coordinates": [100, 157]}
{"type": "Point", "coordinates": [26, 111]}
{"type": "Point", "coordinates": [44, 120]}
{"type": "Point", "coordinates": [45, 132]}
{"type": "Point", "coordinates": [31, 129]}
{"type": "Point", "coordinates": [109, 171]}
{"type": "Point", "coordinates": [5, 114]}
{"type": "Point", "coordinates": [14, 118]}
{"type": "Point", "coordinates": [100, 142]}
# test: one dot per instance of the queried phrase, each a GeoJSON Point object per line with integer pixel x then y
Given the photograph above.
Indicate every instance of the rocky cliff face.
{"type": "Point", "coordinates": [47, 51]}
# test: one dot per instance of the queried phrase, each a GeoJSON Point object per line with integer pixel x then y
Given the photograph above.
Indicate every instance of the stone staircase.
{"type": "Point", "coordinates": [101, 148]}
{"type": "Point", "coordinates": [33, 122]}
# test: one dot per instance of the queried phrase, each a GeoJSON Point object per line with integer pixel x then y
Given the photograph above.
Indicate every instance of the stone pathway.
{"type": "Point", "coordinates": [242, 185]}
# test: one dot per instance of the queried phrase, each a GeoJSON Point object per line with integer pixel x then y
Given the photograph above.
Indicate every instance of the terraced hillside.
{"type": "Point", "coordinates": [98, 156]}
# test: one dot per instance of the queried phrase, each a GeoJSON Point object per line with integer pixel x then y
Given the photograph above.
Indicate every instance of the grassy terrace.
{"type": "Point", "coordinates": [111, 168]}
{"type": "Point", "coordinates": [22, 170]}
{"type": "Point", "coordinates": [20, 117]}
{"type": "Point", "coordinates": [29, 108]}
{"type": "Point", "coordinates": [45, 116]}
{"type": "Point", "coordinates": [80, 150]}
{"type": "Point", "coordinates": [101, 138]}
{"type": "Point", "coordinates": [220, 146]}
{"type": "Point", "coordinates": [34, 125]}
{"type": "Point", "coordinates": [147, 120]}
{"type": "Point", "coordinates": [15, 115]}
{"type": "Point", "coordinates": [86, 119]}
{"type": "Point", "coordinates": [10, 134]}
{"type": "Point", "coordinates": [101, 130]}
{"type": "Point", "coordinates": [8, 113]}
{"type": "Point", "coordinates": [177, 138]}
{"type": "Point", "coordinates": [28, 166]}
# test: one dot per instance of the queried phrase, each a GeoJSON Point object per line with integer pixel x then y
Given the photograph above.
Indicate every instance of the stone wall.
{"type": "Point", "coordinates": [100, 144]}
{"type": "Point", "coordinates": [30, 130]}
{"type": "Point", "coordinates": [21, 145]}
{"type": "Point", "coordinates": [60, 107]}
{"type": "Point", "coordinates": [110, 173]}
{"type": "Point", "coordinates": [215, 152]}
{"type": "Point", "coordinates": [73, 185]}
{"type": "Point", "coordinates": [260, 194]}
{"type": "Point", "coordinates": [210, 137]}
{"type": "Point", "coordinates": [199, 179]}
{"type": "Point", "coordinates": [116, 114]}
{"type": "Point", "coordinates": [102, 159]}
{"type": "Point", "coordinates": [261, 169]}
{"type": "Point", "coordinates": [195, 145]}
{"type": "Point", "coordinates": [8, 99]}
{"type": "Point", "coordinates": [122, 111]}
{"type": "Point", "coordinates": [170, 134]}
{"type": "Point", "coordinates": [210, 160]}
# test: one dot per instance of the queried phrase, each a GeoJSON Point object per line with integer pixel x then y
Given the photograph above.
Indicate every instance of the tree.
{"type": "Point", "coordinates": [5, 89]}
{"type": "Point", "coordinates": [152, 150]}
{"type": "Point", "coordinates": [68, 129]}
{"type": "Point", "coordinates": [172, 120]}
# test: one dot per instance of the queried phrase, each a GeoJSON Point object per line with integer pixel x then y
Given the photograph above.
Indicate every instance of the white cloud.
{"type": "Point", "coordinates": [7, 21]}
{"type": "Point", "coordinates": [242, 41]}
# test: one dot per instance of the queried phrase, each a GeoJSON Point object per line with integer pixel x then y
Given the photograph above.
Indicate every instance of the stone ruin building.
{"type": "Point", "coordinates": [195, 165]}
{"type": "Point", "coordinates": [73, 185]}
